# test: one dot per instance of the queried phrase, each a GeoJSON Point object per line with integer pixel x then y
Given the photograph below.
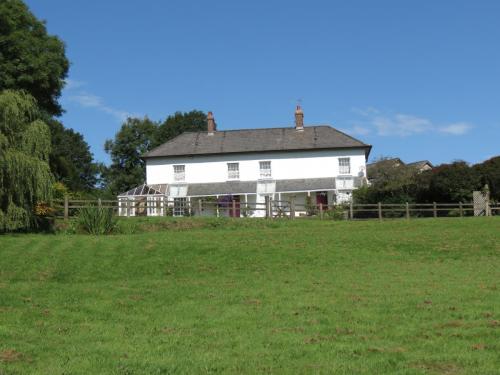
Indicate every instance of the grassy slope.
{"type": "Point", "coordinates": [299, 297]}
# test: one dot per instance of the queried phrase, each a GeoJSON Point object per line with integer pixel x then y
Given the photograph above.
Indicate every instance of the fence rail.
{"type": "Point", "coordinates": [274, 208]}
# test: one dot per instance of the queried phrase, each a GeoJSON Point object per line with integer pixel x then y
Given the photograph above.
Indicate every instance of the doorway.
{"type": "Point", "coordinates": [322, 198]}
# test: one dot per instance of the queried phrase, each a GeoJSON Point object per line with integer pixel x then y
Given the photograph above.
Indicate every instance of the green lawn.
{"type": "Point", "coordinates": [295, 297]}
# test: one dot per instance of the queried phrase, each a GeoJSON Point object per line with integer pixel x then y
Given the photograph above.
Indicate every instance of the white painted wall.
{"type": "Point", "coordinates": [284, 165]}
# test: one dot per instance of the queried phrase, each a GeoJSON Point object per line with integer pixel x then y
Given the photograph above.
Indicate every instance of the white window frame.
{"type": "Point", "coordinates": [180, 172]}
{"type": "Point", "coordinates": [345, 183]}
{"type": "Point", "coordinates": [265, 169]}
{"type": "Point", "coordinates": [180, 206]}
{"type": "Point", "coordinates": [233, 171]}
{"type": "Point", "coordinates": [345, 165]}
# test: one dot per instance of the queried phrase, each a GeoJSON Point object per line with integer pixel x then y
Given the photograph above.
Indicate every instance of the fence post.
{"type": "Point", "coordinates": [66, 207]}
{"type": "Point", "coordinates": [128, 207]}
{"type": "Point", "coordinates": [461, 209]}
{"type": "Point", "coordinates": [379, 210]}
{"type": "Point", "coordinates": [351, 210]}
{"type": "Point", "coordinates": [200, 206]}
{"type": "Point", "coordinates": [165, 206]}
{"type": "Point", "coordinates": [321, 211]}
{"type": "Point", "coordinates": [99, 203]}
{"type": "Point", "coordinates": [434, 209]}
{"type": "Point", "coordinates": [488, 212]}
{"type": "Point", "coordinates": [407, 211]}
{"type": "Point", "coordinates": [234, 208]}
{"type": "Point", "coordinates": [292, 208]}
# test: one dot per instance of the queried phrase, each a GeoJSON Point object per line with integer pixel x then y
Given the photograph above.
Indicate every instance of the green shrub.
{"type": "Point", "coordinates": [311, 208]}
{"type": "Point", "coordinates": [97, 220]}
{"type": "Point", "coordinates": [337, 213]}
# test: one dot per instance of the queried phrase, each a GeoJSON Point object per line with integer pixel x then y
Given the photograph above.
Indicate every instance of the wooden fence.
{"type": "Point", "coordinates": [275, 209]}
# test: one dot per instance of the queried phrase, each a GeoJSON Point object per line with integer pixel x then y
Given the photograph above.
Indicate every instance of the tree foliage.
{"type": "Point", "coordinates": [30, 58]}
{"type": "Point", "coordinates": [71, 161]}
{"type": "Point", "coordinates": [490, 174]}
{"type": "Point", "coordinates": [138, 136]}
{"type": "Point", "coordinates": [454, 182]}
{"type": "Point", "coordinates": [178, 123]}
{"type": "Point", "coordinates": [25, 177]}
{"type": "Point", "coordinates": [394, 183]}
{"type": "Point", "coordinates": [135, 137]}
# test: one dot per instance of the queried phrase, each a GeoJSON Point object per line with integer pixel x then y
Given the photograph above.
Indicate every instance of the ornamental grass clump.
{"type": "Point", "coordinates": [97, 220]}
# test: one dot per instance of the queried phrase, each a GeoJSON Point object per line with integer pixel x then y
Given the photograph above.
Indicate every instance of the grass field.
{"type": "Point", "coordinates": [295, 297]}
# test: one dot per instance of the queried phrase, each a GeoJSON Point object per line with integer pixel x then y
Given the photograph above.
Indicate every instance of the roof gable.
{"type": "Point", "coordinates": [256, 140]}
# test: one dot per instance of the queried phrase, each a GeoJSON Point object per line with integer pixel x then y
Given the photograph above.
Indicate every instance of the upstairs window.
{"type": "Point", "coordinates": [344, 165]}
{"type": "Point", "coordinates": [233, 171]}
{"type": "Point", "coordinates": [265, 169]}
{"type": "Point", "coordinates": [179, 172]}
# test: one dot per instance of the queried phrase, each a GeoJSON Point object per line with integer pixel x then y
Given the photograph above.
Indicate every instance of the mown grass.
{"type": "Point", "coordinates": [295, 297]}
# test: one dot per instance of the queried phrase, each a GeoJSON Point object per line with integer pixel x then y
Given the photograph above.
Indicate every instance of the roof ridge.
{"type": "Point", "coordinates": [274, 128]}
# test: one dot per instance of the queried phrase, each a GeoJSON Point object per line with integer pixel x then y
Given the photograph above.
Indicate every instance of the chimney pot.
{"type": "Point", "coordinates": [299, 118]}
{"type": "Point", "coordinates": [211, 126]}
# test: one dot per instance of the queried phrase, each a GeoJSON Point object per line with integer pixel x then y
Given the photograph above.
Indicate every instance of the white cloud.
{"type": "Point", "coordinates": [456, 129]}
{"type": "Point", "coordinates": [403, 125]}
{"type": "Point", "coordinates": [72, 84]}
{"type": "Point", "coordinates": [400, 124]}
{"type": "Point", "coordinates": [87, 100]}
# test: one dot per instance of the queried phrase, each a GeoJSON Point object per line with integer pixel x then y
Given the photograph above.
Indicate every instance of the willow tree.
{"type": "Point", "coordinates": [25, 177]}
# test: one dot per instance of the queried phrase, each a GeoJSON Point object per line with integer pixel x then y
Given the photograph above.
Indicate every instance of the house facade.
{"type": "Point", "coordinates": [318, 164]}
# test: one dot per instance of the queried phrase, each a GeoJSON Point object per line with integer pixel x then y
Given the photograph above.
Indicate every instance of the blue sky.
{"type": "Point", "coordinates": [418, 80]}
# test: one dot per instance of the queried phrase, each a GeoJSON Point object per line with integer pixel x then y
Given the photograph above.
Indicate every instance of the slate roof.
{"type": "Point", "coordinates": [305, 184]}
{"type": "Point", "coordinates": [256, 140]}
{"type": "Point", "coordinates": [221, 188]}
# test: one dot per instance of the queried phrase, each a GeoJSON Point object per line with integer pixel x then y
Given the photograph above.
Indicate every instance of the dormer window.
{"type": "Point", "coordinates": [179, 173]}
{"type": "Point", "coordinates": [265, 169]}
{"type": "Point", "coordinates": [344, 165]}
{"type": "Point", "coordinates": [233, 171]}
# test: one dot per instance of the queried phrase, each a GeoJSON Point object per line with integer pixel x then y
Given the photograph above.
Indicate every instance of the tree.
{"type": "Point", "coordinates": [452, 182]}
{"type": "Point", "coordinates": [393, 182]}
{"type": "Point", "coordinates": [180, 122]}
{"type": "Point", "coordinates": [71, 161]}
{"type": "Point", "coordinates": [490, 174]}
{"type": "Point", "coordinates": [25, 178]}
{"type": "Point", "coordinates": [30, 59]}
{"type": "Point", "coordinates": [135, 137]}
{"type": "Point", "coordinates": [138, 136]}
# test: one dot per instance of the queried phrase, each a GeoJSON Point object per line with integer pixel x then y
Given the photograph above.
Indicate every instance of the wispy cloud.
{"type": "Point", "coordinates": [72, 84]}
{"type": "Point", "coordinates": [400, 124]}
{"type": "Point", "coordinates": [456, 129]}
{"type": "Point", "coordinates": [88, 100]}
{"type": "Point", "coordinates": [403, 125]}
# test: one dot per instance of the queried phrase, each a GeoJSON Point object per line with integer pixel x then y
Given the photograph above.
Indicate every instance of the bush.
{"type": "Point", "coordinates": [311, 208]}
{"type": "Point", "coordinates": [337, 213]}
{"type": "Point", "coordinates": [97, 220]}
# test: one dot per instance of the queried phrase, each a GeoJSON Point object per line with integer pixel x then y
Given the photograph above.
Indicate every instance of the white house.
{"type": "Point", "coordinates": [249, 164]}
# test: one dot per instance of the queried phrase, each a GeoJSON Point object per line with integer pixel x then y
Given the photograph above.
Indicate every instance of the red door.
{"type": "Point", "coordinates": [322, 197]}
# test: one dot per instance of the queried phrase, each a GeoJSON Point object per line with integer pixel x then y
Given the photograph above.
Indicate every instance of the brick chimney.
{"type": "Point", "coordinates": [211, 126]}
{"type": "Point", "coordinates": [299, 118]}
